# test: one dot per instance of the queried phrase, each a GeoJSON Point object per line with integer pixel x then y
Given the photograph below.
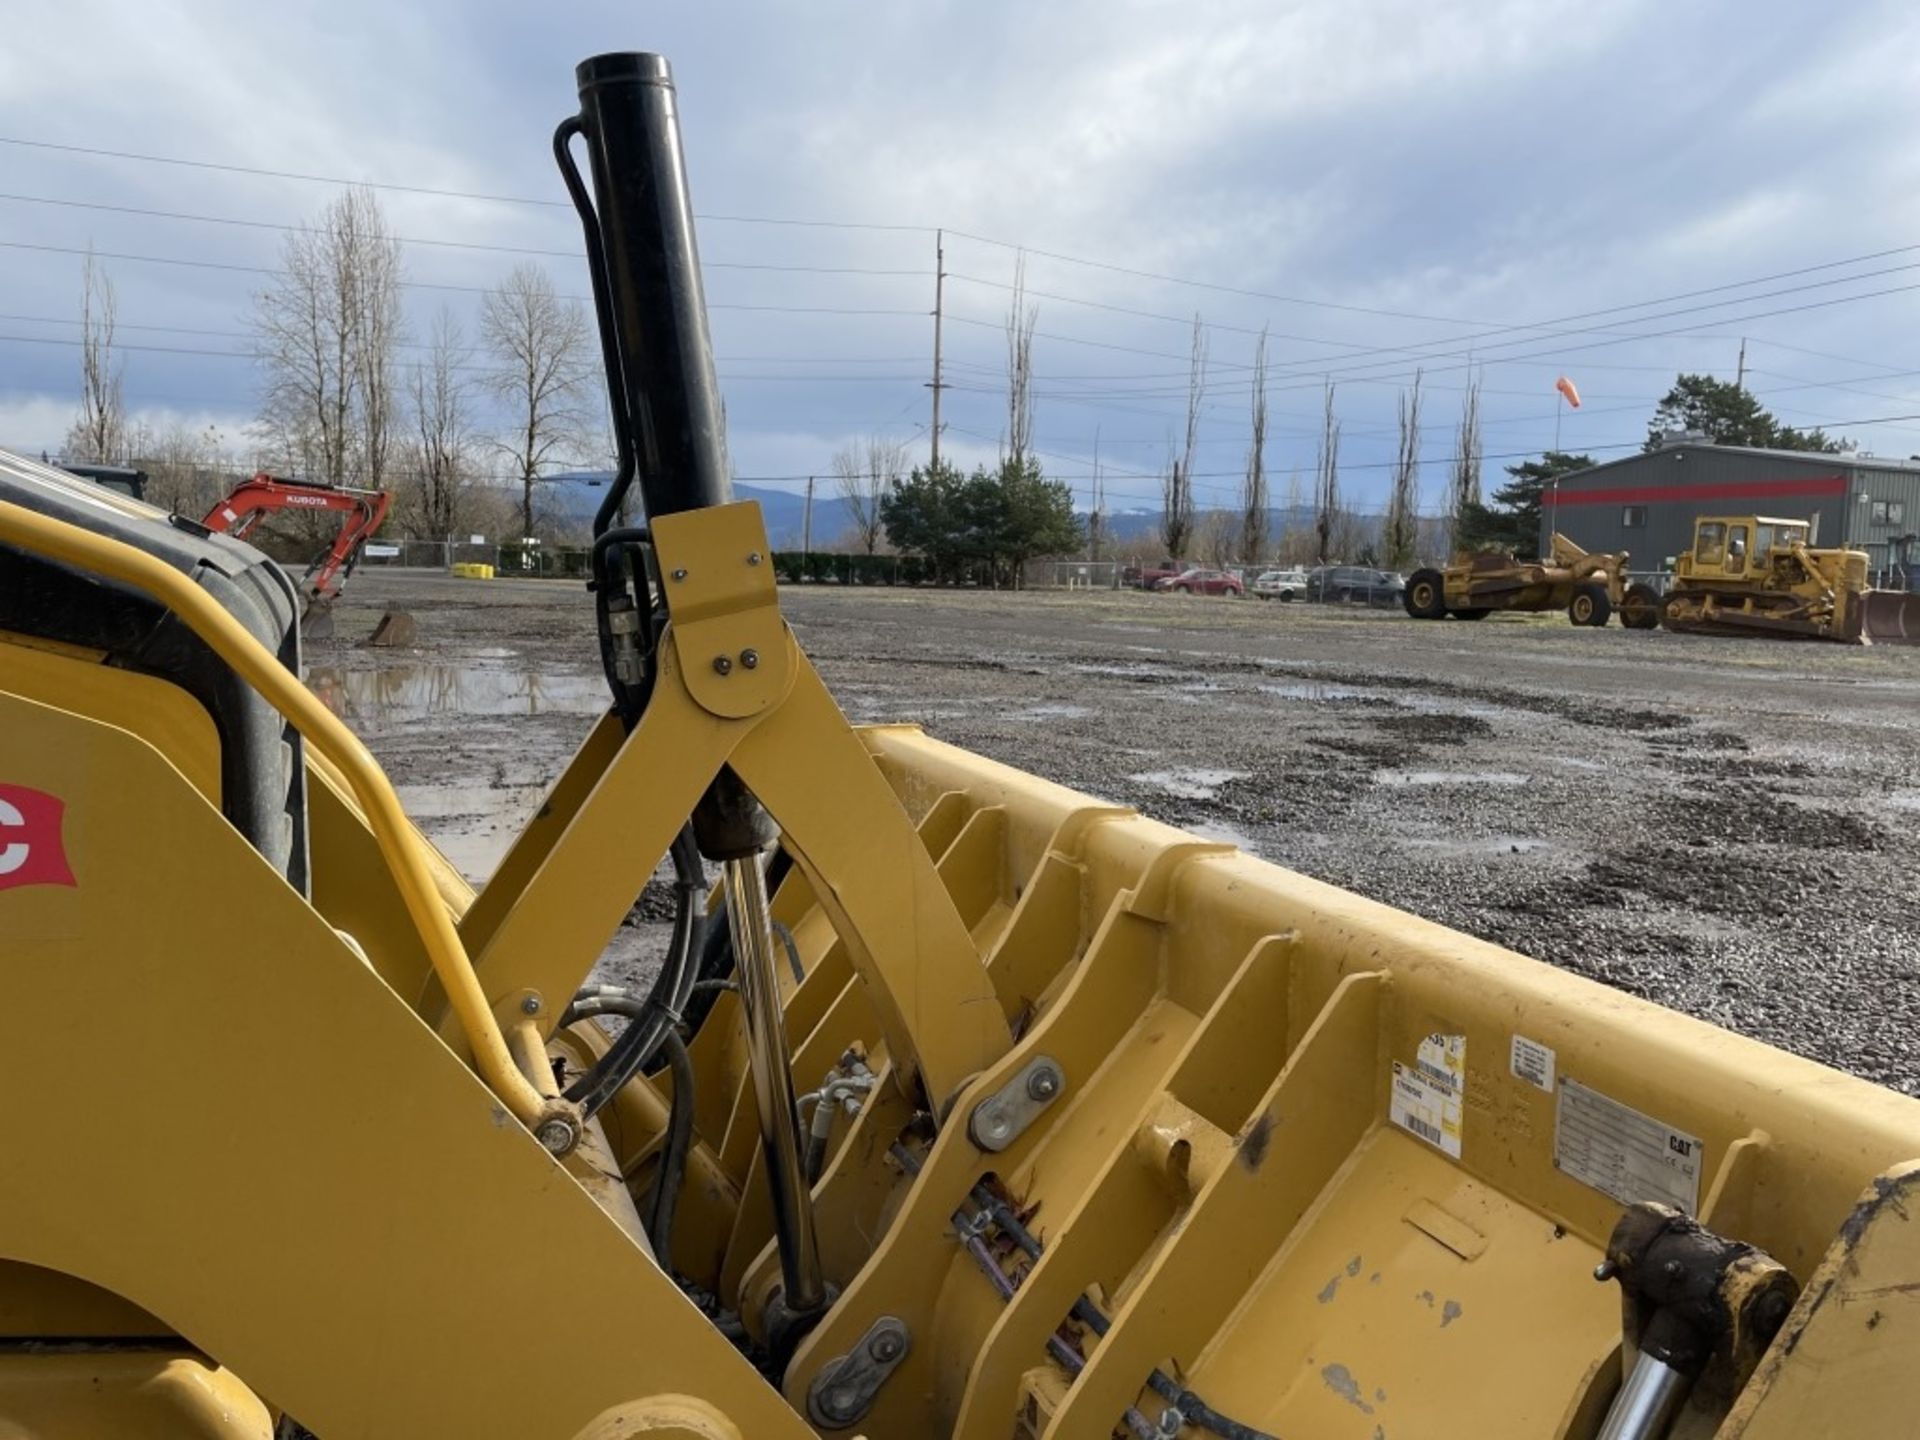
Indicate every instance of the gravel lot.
{"type": "Point", "coordinates": [1725, 826]}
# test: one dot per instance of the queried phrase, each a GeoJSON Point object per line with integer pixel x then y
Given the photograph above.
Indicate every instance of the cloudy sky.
{"type": "Point", "coordinates": [1609, 191]}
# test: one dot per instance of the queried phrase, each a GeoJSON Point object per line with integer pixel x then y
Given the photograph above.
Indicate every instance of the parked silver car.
{"type": "Point", "coordinates": [1280, 585]}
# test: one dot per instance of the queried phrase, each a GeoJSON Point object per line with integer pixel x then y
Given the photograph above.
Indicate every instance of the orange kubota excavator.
{"type": "Point", "coordinates": [364, 510]}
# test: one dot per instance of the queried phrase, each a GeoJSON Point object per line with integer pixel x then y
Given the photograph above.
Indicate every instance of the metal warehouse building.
{"type": "Point", "coordinates": [1646, 504]}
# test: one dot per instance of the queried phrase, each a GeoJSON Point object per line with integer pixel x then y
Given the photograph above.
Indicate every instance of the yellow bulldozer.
{"type": "Point", "coordinates": [1758, 575]}
{"type": "Point", "coordinates": [1589, 587]}
{"type": "Point", "coordinates": [1053, 1121]}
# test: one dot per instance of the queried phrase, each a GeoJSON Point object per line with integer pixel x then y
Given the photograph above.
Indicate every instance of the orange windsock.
{"type": "Point", "coordinates": [1565, 387]}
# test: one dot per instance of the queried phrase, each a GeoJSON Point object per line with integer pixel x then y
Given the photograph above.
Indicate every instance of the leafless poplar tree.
{"type": "Point", "coordinates": [100, 432]}
{"type": "Point", "coordinates": [1401, 539]}
{"type": "Point", "coordinates": [1021, 319]}
{"type": "Point", "coordinates": [863, 472]}
{"type": "Point", "coordinates": [1253, 489]}
{"type": "Point", "coordinates": [1293, 546]}
{"type": "Point", "coordinates": [1176, 510]}
{"type": "Point", "coordinates": [1327, 481]}
{"type": "Point", "coordinates": [327, 328]}
{"type": "Point", "coordinates": [442, 440]}
{"type": "Point", "coordinates": [1464, 489]}
{"type": "Point", "coordinates": [1097, 509]}
{"type": "Point", "coordinates": [541, 345]}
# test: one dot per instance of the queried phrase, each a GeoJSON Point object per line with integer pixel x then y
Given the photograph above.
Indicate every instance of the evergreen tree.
{"type": "Point", "coordinates": [1728, 414]}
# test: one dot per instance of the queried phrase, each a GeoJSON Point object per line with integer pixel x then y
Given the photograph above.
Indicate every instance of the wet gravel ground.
{"type": "Point", "coordinates": [1727, 827]}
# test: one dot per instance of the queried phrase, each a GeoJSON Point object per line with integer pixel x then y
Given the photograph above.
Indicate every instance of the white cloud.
{"type": "Point", "coordinates": [1487, 160]}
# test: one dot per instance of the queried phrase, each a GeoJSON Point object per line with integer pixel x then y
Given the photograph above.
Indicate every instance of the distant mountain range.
{"type": "Point", "coordinates": [572, 499]}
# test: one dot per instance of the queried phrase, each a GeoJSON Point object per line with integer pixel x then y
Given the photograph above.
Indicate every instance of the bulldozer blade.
{"type": "Point", "coordinates": [1890, 617]}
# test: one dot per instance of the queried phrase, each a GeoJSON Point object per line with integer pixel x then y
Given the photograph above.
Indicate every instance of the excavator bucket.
{"type": "Point", "coordinates": [1890, 617]}
{"type": "Point", "coordinates": [317, 621]}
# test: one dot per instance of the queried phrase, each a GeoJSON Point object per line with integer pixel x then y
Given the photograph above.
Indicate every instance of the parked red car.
{"type": "Point", "coordinates": [1202, 582]}
{"type": "Point", "coordinates": [1147, 577]}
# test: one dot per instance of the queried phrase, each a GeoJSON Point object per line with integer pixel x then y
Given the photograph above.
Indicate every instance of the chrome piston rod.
{"type": "Point", "coordinates": [754, 949]}
{"type": "Point", "coordinates": [1647, 1403]}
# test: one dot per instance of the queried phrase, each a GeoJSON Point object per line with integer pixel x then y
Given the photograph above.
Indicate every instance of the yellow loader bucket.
{"type": "Point", "coordinates": [1891, 617]}
{"type": "Point", "coordinates": [1318, 1165]}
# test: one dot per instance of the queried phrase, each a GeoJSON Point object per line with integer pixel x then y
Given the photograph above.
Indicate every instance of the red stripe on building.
{"type": "Point", "coordinates": [1723, 490]}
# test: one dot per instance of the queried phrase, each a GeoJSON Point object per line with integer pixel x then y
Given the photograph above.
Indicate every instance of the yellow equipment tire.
{"type": "Point", "coordinates": [1425, 597]}
{"type": "Point", "coordinates": [1640, 607]}
{"type": "Point", "coordinates": [1590, 607]}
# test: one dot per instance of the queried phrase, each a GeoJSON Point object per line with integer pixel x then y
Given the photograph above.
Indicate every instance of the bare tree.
{"type": "Point", "coordinates": [1294, 547]}
{"type": "Point", "coordinates": [442, 442]}
{"type": "Point", "coordinates": [326, 329]}
{"type": "Point", "coordinates": [1326, 491]}
{"type": "Point", "coordinates": [1216, 536]}
{"type": "Point", "coordinates": [1097, 509]}
{"type": "Point", "coordinates": [1021, 319]}
{"type": "Point", "coordinates": [1176, 511]}
{"type": "Point", "coordinates": [863, 472]}
{"type": "Point", "coordinates": [187, 470]}
{"type": "Point", "coordinates": [1464, 488]}
{"type": "Point", "coordinates": [100, 432]}
{"type": "Point", "coordinates": [540, 342]}
{"type": "Point", "coordinates": [1401, 537]}
{"type": "Point", "coordinates": [1253, 489]}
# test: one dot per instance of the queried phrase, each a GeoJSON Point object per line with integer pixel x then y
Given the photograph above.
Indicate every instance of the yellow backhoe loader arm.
{"type": "Point", "coordinates": [550, 1118]}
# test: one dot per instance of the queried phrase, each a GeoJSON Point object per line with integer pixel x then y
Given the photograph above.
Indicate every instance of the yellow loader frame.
{"type": "Point", "coordinates": [300, 1155]}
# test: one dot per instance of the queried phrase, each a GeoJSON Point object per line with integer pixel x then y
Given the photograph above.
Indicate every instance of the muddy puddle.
{"type": "Point", "coordinates": [1189, 784]}
{"type": "Point", "coordinates": [396, 694]}
{"type": "Point", "coordinates": [471, 824]}
{"type": "Point", "coordinates": [1504, 779]}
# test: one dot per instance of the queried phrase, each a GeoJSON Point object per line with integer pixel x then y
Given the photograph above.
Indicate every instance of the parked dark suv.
{"type": "Point", "coordinates": [1354, 585]}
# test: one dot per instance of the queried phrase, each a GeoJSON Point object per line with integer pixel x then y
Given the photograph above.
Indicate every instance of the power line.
{"type": "Point", "coordinates": [435, 191]}
{"type": "Point", "coordinates": [438, 243]}
{"type": "Point", "coordinates": [431, 285]}
{"type": "Point", "coordinates": [422, 345]}
{"type": "Point", "coordinates": [251, 355]}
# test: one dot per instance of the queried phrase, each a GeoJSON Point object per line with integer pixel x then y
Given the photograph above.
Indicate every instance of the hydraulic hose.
{"type": "Point", "coordinates": [639, 1042]}
{"type": "Point", "coordinates": [672, 1170]}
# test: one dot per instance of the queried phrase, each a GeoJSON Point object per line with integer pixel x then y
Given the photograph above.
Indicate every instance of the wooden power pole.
{"type": "Point", "coordinates": [939, 292]}
{"type": "Point", "coordinates": [806, 522]}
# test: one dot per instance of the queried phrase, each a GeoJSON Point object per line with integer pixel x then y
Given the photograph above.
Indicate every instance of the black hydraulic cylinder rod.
{"type": "Point", "coordinates": [665, 393]}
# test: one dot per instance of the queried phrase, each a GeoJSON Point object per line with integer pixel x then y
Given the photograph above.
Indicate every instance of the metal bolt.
{"type": "Point", "coordinates": [530, 1005]}
{"type": "Point", "coordinates": [1604, 1270]}
{"type": "Point", "coordinates": [556, 1136]}
{"type": "Point", "coordinates": [1043, 1084]}
{"type": "Point", "coordinates": [886, 1347]}
{"type": "Point", "coordinates": [722, 665]}
{"type": "Point", "coordinates": [1673, 1269]}
{"type": "Point", "coordinates": [754, 558]}
{"type": "Point", "coordinates": [680, 574]}
{"type": "Point", "coordinates": [750, 659]}
{"type": "Point", "coordinates": [994, 1123]}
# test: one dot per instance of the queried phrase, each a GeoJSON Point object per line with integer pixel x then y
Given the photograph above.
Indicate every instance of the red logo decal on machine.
{"type": "Point", "coordinates": [30, 848]}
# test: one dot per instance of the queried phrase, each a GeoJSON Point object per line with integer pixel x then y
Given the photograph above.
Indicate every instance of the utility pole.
{"type": "Point", "coordinates": [939, 293]}
{"type": "Point", "coordinates": [806, 522]}
{"type": "Point", "coordinates": [1740, 380]}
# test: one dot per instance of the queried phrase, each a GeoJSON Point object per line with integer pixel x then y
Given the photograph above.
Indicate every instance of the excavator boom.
{"type": "Point", "coordinates": [362, 512]}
